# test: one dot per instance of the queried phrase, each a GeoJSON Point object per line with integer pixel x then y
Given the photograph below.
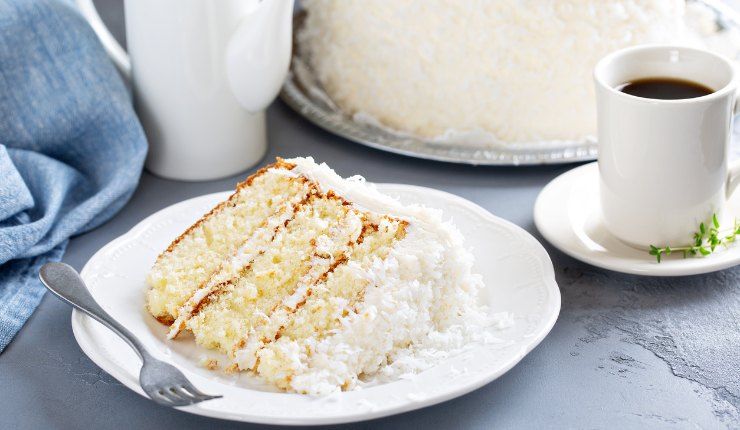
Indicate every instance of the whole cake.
{"type": "Point", "coordinates": [312, 282]}
{"type": "Point", "coordinates": [487, 71]}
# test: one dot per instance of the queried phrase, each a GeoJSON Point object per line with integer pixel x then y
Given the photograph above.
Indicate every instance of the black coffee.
{"type": "Point", "coordinates": [664, 89]}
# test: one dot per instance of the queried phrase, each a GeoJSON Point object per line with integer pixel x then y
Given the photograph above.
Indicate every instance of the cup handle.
{"type": "Point", "coordinates": [733, 172]}
{"type": "Point", "coordinates": [733, 178]}
{"type": "Point", "coordinates": [112, 47]}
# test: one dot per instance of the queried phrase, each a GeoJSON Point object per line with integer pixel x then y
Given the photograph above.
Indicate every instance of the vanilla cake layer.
{"type": "Point", "coordinates": [327, 284]}
{"type": "Point", "coordinates": [300, 253]}
{"type": "Point", "coordinates": [193, 257]}
{"type": "Point", "coordinates": [255, 246]}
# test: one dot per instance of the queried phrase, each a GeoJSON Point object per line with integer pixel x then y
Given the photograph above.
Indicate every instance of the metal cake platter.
{"type": "Point", "coordinates": [303, 93]}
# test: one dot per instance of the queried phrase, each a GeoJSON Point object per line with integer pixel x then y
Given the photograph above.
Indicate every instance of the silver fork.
{"type": "Point", "coordinates": [162, 382]}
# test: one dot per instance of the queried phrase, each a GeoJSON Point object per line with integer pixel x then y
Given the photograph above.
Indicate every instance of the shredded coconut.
{"type": "Point", "coordinates": [421, 305]}
{"type": "Point", "coordinates": [486, 73]}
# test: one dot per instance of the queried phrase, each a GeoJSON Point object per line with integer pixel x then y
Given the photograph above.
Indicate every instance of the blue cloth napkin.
{"type": "Point", "coordinates": [71, 147]}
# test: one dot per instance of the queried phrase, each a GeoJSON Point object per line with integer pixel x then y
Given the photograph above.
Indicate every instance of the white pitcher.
{"type": "Point", "coordinates": [203, 72]}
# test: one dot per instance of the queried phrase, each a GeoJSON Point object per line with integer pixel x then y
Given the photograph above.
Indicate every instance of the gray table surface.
{"type": "Point", "coordinates": [626, 352]}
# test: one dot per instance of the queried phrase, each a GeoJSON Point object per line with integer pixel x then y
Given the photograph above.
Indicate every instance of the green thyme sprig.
{"type": "Point", "coordinates": [706, 240]}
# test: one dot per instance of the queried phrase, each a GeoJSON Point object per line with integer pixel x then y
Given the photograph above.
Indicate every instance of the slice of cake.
{"type": "Point", "coordinates": [314, 282]}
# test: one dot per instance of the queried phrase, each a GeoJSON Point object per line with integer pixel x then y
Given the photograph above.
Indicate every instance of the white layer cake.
{"type": "Point", "coordinates": [313, 282]}
{"type": "Point", "coordinates": [478, 71]}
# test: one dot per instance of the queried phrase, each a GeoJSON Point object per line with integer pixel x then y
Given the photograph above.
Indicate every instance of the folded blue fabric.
{"type": "Point", "coordinates": [71, 147]}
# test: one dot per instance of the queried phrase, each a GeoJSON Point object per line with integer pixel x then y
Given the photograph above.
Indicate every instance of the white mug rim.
{"type": "Point", "coordinates": [606, 61]}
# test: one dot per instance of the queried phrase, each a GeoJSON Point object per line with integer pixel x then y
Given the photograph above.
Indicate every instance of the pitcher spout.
{"type": "Point", "coordinates": [258, 53]}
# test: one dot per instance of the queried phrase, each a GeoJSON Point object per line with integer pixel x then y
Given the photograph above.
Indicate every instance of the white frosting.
{"type": "Point", "coordinates": [421, 305]}
{"type": "Point", "coordinates": [378, 62]}
{"type": "Point", "coordinates": [520, 71]}
{"type": "Point", "coordinates": [363, 195]}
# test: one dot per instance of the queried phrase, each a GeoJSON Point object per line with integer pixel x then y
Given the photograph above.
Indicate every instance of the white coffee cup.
{"type": "Point", "coordinates": [663, 164]}
{"type": "Point", "coordinates": [202, 72]}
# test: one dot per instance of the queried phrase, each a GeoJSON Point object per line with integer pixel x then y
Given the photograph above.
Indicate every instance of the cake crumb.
{"type": "Point", "coordinates": [209, 363]}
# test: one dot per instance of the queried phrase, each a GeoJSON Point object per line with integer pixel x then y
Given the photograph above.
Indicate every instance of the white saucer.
{"type": "Point", "coordinates": [517, 272]}
{"type": "Point", "coordinates": [567, 214]}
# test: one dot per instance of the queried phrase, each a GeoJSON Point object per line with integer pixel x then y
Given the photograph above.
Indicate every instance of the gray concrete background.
{"type": "Point", "coordinates": [626, 352]}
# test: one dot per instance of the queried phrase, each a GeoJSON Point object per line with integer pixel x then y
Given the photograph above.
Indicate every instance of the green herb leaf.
{"type": "Point", "coordinates": [705, 241]}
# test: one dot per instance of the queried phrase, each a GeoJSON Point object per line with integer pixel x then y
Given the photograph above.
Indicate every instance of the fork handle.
{"type": "Point", "coordinates": [64, 282]}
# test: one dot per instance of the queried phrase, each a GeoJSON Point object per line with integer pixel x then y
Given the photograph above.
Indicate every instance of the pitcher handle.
{"type": "Point", "coordinates": [112, 47]}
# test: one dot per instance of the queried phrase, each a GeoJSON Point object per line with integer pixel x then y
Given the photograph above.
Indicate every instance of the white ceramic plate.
{"type": "Point", "coordinates": [567, 214]}
{"type": "Point", "coordinates": [517, 271]}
